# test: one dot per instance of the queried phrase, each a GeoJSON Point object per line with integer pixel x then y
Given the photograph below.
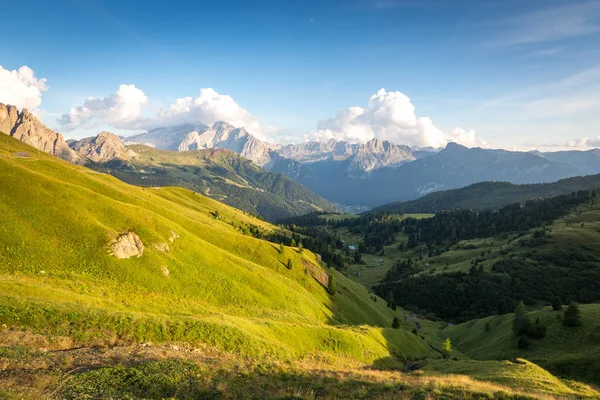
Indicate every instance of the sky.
{"type": "Point", "coordinates": [489, 73]}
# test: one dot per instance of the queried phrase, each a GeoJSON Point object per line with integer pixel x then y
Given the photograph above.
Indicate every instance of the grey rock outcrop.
{"type": "Point", "coordinates": [309, 152]}
{"type": "Point", "coordinates": [102, 148]}
{"type": "Point", "coordinates": [24, 126]}
{"type": "Point", "coordinates": [377, 154]}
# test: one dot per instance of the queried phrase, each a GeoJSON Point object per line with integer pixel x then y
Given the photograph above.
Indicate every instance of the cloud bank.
{"type": "Point", "coordinates": [121, 110]}
{"type": "Point", "coordinates": [584, 143]}
{"type": "Point", "coordinates": [21, 88]}
{"type": "Point", "coordinates": [390, 116]}
{"type": "Point", "coordinates": [125, 110]}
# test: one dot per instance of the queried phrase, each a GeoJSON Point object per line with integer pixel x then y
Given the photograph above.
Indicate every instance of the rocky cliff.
{"type": "Point", "coordinates": [102, 148]}
{"type": "Point", "coordinates": [24, 126]}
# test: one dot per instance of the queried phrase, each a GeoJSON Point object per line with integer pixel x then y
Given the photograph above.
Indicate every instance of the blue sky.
{"type": "Point", "coordinates": [509, 74]}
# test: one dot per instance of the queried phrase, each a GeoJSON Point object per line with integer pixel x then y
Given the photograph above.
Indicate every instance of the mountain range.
{"type": "Point", "coordinates": [379, 171]}
{"type": "Point", "coordinates": [368, 175]}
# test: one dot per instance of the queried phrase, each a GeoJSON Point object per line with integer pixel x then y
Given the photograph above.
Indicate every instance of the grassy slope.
{"type": "Point", "coordinates": [221, 175]}
{"type": "Point", "coordinates": [571, 352]}
{"type": "Point", "coordinates": [485, 195]}
{"type": "Point", "coordinates": [225, 290]}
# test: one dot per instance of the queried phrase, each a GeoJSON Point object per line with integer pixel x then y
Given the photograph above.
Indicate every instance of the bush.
{"type": "Point", "coordinates": [396, 323]}
{"type": "Point", "coordinates": [572, 317]}
{"type": "Point", "coordinates": [446, 348]}
{"type": "Point", "coordinates": [557, 304]}
{"type": "Point", "coordinates": [536, 331]}
{"type": "Point", "coordinates": [520, 321]}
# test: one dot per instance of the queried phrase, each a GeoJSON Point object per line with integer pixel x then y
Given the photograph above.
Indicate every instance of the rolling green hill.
{"type": "Point", "coordinates": [205, 310]}
{"type": "Point", "coordinates": [221, 175]}
{"type": "Point", "coordinates": [490, 195]}
{"type": "Point", "coordinates": [567, 351]}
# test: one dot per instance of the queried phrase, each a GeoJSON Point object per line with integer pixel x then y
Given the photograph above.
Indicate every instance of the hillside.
{"type": "Point", "coordinates": [571, 352]}
{"type": "Point", "coordinates": [221, 175]}
{"type": "Point", "coordinates": [200, 308]}
{"type": "Point", "coordinates": [490, 195]}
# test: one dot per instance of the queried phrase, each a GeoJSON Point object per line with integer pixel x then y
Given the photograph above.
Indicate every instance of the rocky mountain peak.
{"type": "Point", "coordinates": [378, 153]}
{"type": "Point", "coordinates": [105, 147]}
{"type": "Point", "coordinates": [25, 127]}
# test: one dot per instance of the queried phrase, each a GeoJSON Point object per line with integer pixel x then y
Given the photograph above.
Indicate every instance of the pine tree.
{"type": "Point", "coordinates": [289, 264]}
{"type": "Point", "coordinates": [331, 286]}
{"type": "Point", "coordinates": [281, 248]}
{"type": "Point", "coordinates": [446, 348]}
{"type": "Point", "coordinates": [396, 323]}
{"type": "Point", "coordinates": [557, 304]}
{"type": "Point", "coordinates": [300, 248]}
{"type": "Point", "coordinates": [520, 321]}
{"type": "Point", "coordinates": [572, 317]}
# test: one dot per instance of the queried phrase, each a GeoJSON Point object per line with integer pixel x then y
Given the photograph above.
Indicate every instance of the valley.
{"type": "Point", "coordinates": [205, 293]}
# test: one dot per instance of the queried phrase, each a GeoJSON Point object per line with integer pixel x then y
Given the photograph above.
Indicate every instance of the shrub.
{"type": "Point", "coordinates": [396, 323]}
{"type": "Point", "coordinates": [572, 317]}
{"type": "Point", "coordinates": [520, 321]}
{"type": "Point", "coordinates": [557, 304]}
{"type": "Point", "coordinates": [331, 286]}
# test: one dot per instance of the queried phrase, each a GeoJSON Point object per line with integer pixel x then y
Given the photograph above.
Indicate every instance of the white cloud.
{"type": "Point", "coordinates": [120, 110]}
{"type": "Point", "coordinates": [391, 116]}
{"type": "Point", "coordinates": [584, 143]}
{"type": "Point", "coordinates": [123, 110]}
{"type": "Point", "coordinates": [208, 108]}
{"type": "Point", "coordinates": [21, 88]}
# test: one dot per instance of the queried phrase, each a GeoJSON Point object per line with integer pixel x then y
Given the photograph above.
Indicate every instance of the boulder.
{"type": "Point", "coordinates": [126, 245]}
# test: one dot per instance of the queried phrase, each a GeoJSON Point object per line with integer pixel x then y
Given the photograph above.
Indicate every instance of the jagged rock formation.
{"type": "Point", "coordinates": [309, 152]}
{"type": "Point", "coordinates": [102, 148]}
{"type": "Point", "coordinates": [222, 135]}
{"type": "Point", "coordinates": [377, 154]}
{"type": "Point", "coordinates": [126, 245]}
{"type": "Point", "coordinates": [25, 127]}
{"type": "Point", "coordinates": [168, 138]}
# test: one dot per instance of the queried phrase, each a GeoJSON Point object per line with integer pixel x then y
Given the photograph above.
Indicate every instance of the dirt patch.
{"type": "Point", "coordinates": [316, 272]}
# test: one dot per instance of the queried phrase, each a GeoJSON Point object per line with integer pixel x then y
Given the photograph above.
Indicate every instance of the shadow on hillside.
{"type": "Point", "coordinates": [179, 379]}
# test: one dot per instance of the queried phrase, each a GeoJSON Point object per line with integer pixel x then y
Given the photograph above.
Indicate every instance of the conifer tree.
{"type": "Point", "coordinates": [446, 348]}
{"type": "Point", "coordinates": [572, 317]}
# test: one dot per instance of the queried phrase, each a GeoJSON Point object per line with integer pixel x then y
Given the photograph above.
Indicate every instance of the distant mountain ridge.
{"type": "Point", "coordinates": [221, 175]}
{"type": "Point", "coordinates": [490, 195]}
{"type": "Point", "coordinates": [453, 167]}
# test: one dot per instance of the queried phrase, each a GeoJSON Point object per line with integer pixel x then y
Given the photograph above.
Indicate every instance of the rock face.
{"type": "Point", "coordinates": [165, 138]}
{"type": "Point", "coordinates": [126, 245]}
{"type": "Point", "coordinates": [102, 148]}
{"type": "Point", "coordinates": [310, 152]}
{"type": "Point", "coordinates": [28, 129]}
{"type": "Point", "coordinates": [377, 154]}
{"type": "Point", "coordinates": [222, 135]}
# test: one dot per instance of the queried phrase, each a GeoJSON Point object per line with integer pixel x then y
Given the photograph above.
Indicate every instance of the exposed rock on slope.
{"type": "Point", "coordinates": [127, 245]}
{"type": "Point", "coordinates": [102, 148]}
{"type": "Point", "coordinates": [28, 129]}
